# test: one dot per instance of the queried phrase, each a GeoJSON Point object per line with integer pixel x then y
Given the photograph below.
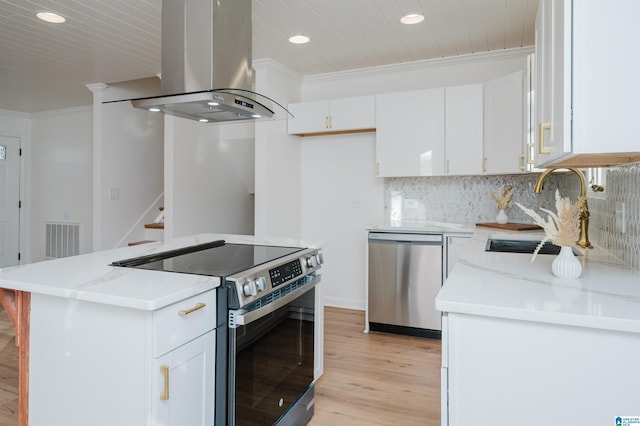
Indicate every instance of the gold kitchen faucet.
{"type": "Point", "coordinates": [584, 211]}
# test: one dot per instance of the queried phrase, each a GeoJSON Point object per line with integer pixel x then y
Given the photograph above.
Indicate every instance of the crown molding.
{"type": "Point", "coordinates": [421, 65]}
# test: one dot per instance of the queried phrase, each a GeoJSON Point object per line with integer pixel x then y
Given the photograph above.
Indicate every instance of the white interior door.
{"type": "Point", "coordinates": [9, 199]}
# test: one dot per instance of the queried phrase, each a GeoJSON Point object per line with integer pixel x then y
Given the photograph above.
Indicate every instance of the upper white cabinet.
{"type": "Point", "coordinates": [410, 132]}
{"type": "Point", "coordinates": [553, 80]}
{"type": "Point", "coordinates": [334, 116]}
{"type": "Point", "coordinates": [464, 129]}
{"type": "Point", "coordinates": [586, 87]}
{"type": "Point", "coordinates": [504, 118]}
{"type": "Point", "coordinates": [460, 130]}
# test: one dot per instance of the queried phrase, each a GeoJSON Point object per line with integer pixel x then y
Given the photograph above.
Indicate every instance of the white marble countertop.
{"type": "Point", "coordinates": [509, 285]}
{"type": "Point", "coordinates": [89, 277]}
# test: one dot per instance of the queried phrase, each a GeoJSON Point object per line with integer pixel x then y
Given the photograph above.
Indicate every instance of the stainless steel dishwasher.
{"type": "Point", "coordinates": [405, 276]}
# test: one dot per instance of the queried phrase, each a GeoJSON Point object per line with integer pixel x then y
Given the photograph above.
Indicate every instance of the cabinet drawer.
{"type": "Point", "coordinates": [181, 322]}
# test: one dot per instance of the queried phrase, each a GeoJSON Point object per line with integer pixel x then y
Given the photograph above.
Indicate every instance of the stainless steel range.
{"type": "Point", "coordinates": [265, 331]}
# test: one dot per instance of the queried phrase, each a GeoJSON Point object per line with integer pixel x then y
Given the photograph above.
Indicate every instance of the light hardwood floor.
{"type": "Point", "coordinates": [376, 378]}
{"type": "Point", "coordinates": [369, 379]}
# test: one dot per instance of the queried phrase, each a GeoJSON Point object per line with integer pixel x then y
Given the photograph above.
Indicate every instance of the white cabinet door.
{"type": "Point", "coordinates": [332, 116]}
{"type": "Point", "coordinates": [410, 133]}
{"type": "Point", "coordinates": [308, 117]}
{"type": "Point", "coordinates": [605, 76]}
{"type": "Point", "coordinates": [357, 113]}
{"type": "Point", "coordinates": [183, 389]}
{"type": "Point", "coordinates": [464, 134]}
{"type": "Point", "coordinates": [586, 87]}
{"type": "Point", "coordinates": [504, 371]}
{"type": "Point", "coordinates": [504, 137]}
{"type": "Point", "coordinates": [559, 142]}
{"type": "Point", "coordinates": [553, 78]}
{"type": "Point", "coordinates": [455, 245]}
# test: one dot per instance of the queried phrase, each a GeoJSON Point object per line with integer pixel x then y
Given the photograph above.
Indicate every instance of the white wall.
{"type": "Point", "coordinates": [209, 177]}
{"type": "Point", "coordinates": [342, 197]}
{"type": "Point", "coordinates": [61, 174]}
{"type": "Point", "coordinates": [278, 157]}
{"type": "Point", "coordinates": [131, 162]}
{"type": "Point", "coordinates": [17, 124]}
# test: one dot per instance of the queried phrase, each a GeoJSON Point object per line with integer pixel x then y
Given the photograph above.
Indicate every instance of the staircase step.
{"type": "Point", "coordinates": [135, 243]}
{"type": "Point", "coordinates": [159, 225]}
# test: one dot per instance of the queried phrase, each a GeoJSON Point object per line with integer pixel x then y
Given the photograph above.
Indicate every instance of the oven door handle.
{"type": "Point", "coordinates": [241, 317]}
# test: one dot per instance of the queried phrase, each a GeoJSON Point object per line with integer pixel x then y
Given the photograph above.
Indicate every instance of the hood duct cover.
{"type": "Point", "coordinates": [206, 63]}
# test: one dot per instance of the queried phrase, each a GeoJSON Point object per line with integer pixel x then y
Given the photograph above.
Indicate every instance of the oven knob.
{"type": "Point", "coordinates": [312, 262]}
{"type": "Point", "coordinates": [250, 288]}
{"type": "Point", "coordinates": [261, 284]}
{"type": "Point", "coordinates": [320, 258]}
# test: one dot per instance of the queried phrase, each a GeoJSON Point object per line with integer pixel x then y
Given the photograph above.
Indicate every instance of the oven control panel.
{"type": "Point", "coordinates": [284, 273]}
{"type": "Point", "coordinates": [257, 282]}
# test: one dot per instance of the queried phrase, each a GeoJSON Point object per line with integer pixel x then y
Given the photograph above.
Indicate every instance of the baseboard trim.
{"type": "Point", "coordinates": [335, 302]}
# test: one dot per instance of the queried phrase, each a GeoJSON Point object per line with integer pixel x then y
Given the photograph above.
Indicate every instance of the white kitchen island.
{"type": "Point", "coordinates": [523, 347]}
{"type": "Point", "coordinates": [121, 346]}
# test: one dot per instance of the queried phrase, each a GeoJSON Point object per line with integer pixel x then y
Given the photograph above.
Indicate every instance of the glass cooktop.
{"type": "Point", "coordinates": [217, 258]}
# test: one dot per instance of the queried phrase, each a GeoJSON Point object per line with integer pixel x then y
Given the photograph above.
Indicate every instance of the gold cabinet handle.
{"type": "Point", "coordinates": [164, 370]}
{"type": "Point", "coordinates": [521, 162]}
{"type": "Point", "coordinates": [530, 147]}
{"type": "Point", "coordinates": [195, 308]}
{"type": "Point", "coordinates": [447, 166]}
{"type": "Point", "coordinates": [484, 165]}
{"type": "Point", "coordinates": [331, 122]}
{"type": "Point", "coordinates": [543, 127]}
{"type": "Point", "coordinates": [326, 122]}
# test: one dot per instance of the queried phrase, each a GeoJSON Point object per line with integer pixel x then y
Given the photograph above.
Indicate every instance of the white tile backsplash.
{"type": "Point", "coordinates": [466, 199]}
{"type": "Point", "coordinates": [623, 186]}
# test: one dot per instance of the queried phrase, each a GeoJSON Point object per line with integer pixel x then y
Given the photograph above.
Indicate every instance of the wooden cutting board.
{"type": "Point", "coordinates": [510, 226]}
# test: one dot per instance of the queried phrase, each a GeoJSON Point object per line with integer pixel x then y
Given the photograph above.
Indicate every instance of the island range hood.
{"type": "Point", "coordinates": [206, 64]}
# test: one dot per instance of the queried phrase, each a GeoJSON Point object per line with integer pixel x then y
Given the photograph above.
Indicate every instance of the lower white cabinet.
{"type": "Point", "coordinates": [183, 381]}
{"type": "Point", "coordinates": [454, 246]}
{"type": "Point", "coordinates": [96, 364]}
{"type": "Point", "coordinates": [499, 371]}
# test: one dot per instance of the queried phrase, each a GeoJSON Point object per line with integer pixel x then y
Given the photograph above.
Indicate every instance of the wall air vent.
{"type": "Point", "coordinates": [62, 240]}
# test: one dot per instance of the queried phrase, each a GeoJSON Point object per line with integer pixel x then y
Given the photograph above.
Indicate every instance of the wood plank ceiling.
{"type": "Point", "coordinates": [46, 66]}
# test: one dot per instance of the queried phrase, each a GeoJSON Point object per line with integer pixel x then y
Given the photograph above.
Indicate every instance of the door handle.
{"type": "Point", "coordinates": [164, 370]}
{"type": "Point", "coordinates": [541, 129]}
{"type": "Point", "coordinates": [198, 306]}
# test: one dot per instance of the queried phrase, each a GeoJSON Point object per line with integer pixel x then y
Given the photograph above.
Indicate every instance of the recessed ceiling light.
{"type": "Point", "coordinates": [412, 18]}
{"type": "Point", "coordinates": [213, 103]}
{"type": "Point", "coordinates": [154, 109]}
{"type": "Point", "coordinates": [203, 120]}
{"type": "Point", "coordinates": [299, 39]}
{"type": "Point", "coordinates": [256, 116]}
{"type": "Point", "coordinates": [49, 16]}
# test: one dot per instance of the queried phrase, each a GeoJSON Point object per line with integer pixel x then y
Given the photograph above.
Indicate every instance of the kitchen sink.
{"type": "Point", "coordinates": [521, 246]}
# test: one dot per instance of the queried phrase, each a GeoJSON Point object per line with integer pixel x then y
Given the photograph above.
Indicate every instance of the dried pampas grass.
{"type": "Point", "coordinates": [561, 228]}
{"type": "Point", "coordinates": [503, 198]}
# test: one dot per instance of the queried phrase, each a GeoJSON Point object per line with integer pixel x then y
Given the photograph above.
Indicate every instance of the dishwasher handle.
{"type": "Point", "coordinates": [435, 239]}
